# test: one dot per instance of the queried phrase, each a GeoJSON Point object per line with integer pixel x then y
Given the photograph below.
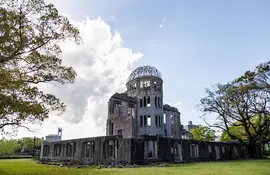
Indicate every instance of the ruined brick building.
{"type": "Point", "coordinates": [140, 110]}
{"type": "Point", "coordinates": [140, 129]}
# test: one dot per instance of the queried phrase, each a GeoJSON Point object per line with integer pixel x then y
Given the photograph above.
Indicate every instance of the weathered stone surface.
{"type": "Point", "coordinates": [114, 151]}
{"type": "Point", "coordinates": [136, 133]}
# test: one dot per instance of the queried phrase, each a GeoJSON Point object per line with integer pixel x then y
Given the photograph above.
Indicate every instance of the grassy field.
{"type": "Point", "coordinates": [244, 167]}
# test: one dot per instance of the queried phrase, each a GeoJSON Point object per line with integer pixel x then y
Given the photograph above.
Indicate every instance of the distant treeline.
{"type": "Point", "coordinates": [23, 146]}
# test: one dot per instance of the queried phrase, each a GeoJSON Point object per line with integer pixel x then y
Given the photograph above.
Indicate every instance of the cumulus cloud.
{"type": "Point", "coordinates": [176, 104]}
{"type": "Point", "coordinates": [102, 64]}
{"type": "Point", "coordinates": [162, 23]}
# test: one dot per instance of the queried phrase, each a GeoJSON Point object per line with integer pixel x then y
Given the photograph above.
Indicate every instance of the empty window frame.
{"type": "Point", "coordinates": [88, 149]}
{"type": "Point", "coordinates": [111, 150]}
{"type": "Point", "coordinates": [129, 111]}
{"type": "Point", "coordinates": [149, 120]}
{"type": "Point", "coordinates": [194, 150]}
{"type": "Point", "coordinates": [147, 84]}
{"type": "Point", "coordinates": [133, 113]}
{"type": "Point", "coordinates": [111, 128]}
{"type": "Point", "coordinates": [172, 119]}
{"type": "Point", "coordinates": [116, 106]}
{"type": "Point", "coordinates": [197, 150]}
{"type": "Point", "coordinates": [71, 149]}
{"type": "Point", "coordinates": [165, 133]}
{"type": "Point", "coordinates": [133, 86]}
{"type": "Point", "coordinates": [141, 84]}
{"type": "Point", "coordinates": [119, 132]}
{"type": "Point", "coordinates": [46, 150]}
{"type": "Point", "coordinates": [141, 102]}
{"type": "Point", "coordinates": [144, 120]}
{"type": "Point", "coordinates": [144, 84]}
{"type": "Point", "coordinates": [157, 85]}
{"type": "Point", "coordinates": [223, 149]}
{"type": "Point", "coordinates": [159, 102]}
{"type": "Point", "coordinates": [155, 101]}
{"type": "Point", "coordinates": [158, 121]}
{"type": "Point", "coordinates": [141, 120]}
{"type": "Point", "coordinates": [209, 148]}
{"type": "Point", "coordinates": [57, 150]}
{"type": "Point", "coordinates": [164, 118]}
{"type": "Point", "coordinates": [144, 101]}
{"type": "Point", "coordinates": [148, 101]}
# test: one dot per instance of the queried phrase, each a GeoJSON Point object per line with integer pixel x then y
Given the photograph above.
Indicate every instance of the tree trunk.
{"type": "Point", "coordinates": [252, 151]}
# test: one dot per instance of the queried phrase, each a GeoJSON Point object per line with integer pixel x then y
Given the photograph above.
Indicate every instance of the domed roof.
{"type": "Point", "coordinates": [144, 71]}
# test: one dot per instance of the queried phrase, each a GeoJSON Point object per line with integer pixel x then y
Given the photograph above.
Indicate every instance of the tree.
{"type": "Point", "coordinates": [8, 147]}
{"type": "Point", "coordinates": [203, 133]}
{"type": "Point", "coordinates": [30, 34]}
{"type": "Point", "coordinates": [240, 132]}
{"type": "Point", "coordinates": [28, 142]}
{"type": "Point", "coordinates": [243, 103]}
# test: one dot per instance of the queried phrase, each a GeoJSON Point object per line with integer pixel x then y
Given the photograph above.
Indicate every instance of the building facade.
{"type": "Point", "coordinates": [189, 126]}
{"type": "Point", "coordinates": [140, 129]}
{"type": "Point", "coordinates": [140, 110]}
{"type": "Point", "coordinates": [54, 137]}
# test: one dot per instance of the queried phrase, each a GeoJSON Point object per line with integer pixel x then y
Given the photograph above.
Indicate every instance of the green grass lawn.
{"type": "Point", "coordinates": [244, 167]}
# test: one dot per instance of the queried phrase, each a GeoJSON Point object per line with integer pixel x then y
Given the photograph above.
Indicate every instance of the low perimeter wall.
{"type": "Point", "coordinates": [115, 149]}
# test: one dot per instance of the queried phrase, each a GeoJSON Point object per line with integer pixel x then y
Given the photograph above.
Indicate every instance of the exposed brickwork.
{"type": "Point", "coordinates": [115, 149]}
{"type": "Point", "coordinates": [136, 131]}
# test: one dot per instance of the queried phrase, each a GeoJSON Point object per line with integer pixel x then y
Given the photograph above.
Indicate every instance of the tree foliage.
{"type": "Point", "coordinates": [239, 131]}
{"type": "Point", "coordinates": [30, 34]}
{"type": "Point", "coordinates": [14, 146]}
{"type": "Point", "coordinates": [242, 105]}
{"type": "Point", "coordinates": [28, 142]}
{"type": "Point", "coordinates": [203, 133]}
{"type": "Point", "coordinates": [8, 147]}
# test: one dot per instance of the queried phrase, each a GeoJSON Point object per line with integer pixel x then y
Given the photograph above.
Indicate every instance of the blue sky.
{"type": "Point", "coordinates": [200, 43]}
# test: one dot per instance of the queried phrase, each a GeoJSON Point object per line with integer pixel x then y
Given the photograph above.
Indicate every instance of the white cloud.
{"type": "Point", "coordinates": [176, 104]}
{"type": "Point", "coordinates": [103, 65]}
{"type": "Point", "coordinates": [162, 23]}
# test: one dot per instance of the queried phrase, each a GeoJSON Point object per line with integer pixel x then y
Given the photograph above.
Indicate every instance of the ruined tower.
{"type": "Point", "coordinates": [140, 110]}
{"type": "Point", "coordinates": [145, 84]}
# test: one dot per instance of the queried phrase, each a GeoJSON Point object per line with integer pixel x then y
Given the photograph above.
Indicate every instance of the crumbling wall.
{"type": "Point", "coordinates": [122, 116]}
{"type": "Point", "coordinates": [101, 150]}
{"type": "Point", "coordinates": [173, 125]}
{"type": "Point", "coordinates": [115, 149]}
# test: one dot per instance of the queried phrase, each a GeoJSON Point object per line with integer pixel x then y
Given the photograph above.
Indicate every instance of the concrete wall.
{"type": "Point", "coordinates": [115, 149]}
{"type": "Point", "coordinates": [122, 116]}
{"type": "Point", "coordinates": [172, 127]}
{"type": "Point", "coordinates": [152, 91]}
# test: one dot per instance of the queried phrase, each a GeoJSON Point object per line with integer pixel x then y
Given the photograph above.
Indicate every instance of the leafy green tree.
{"type": "Point", "coordinates": [8, 147]}
{"type": "Point", "coordinates": [203, 133]}
{"type": "Point", "coordinates": [28, 142]}
{"type": "Point", "coordinates": [242, 105]}
{"type": "Point", "coordinates": [239, 131]}
{"type": "Point", "coordinates": [30, 34]}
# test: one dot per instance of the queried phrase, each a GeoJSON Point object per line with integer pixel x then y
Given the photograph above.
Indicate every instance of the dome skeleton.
{"type": "Point", "coordinates": [144, 71]}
